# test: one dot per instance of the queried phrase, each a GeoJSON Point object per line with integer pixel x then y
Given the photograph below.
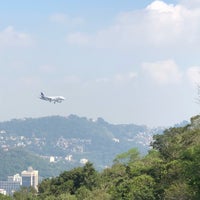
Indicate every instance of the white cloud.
{"type": "Point", "coordinates": [163, 72]}
{"type": "Point", "coordinates": [119, 78]}
{"type": "Point", "coordinates": [103, 80]}
{"type": "Point", "coordinates": [158, 25]}
{"type": "Point", "coordinates": [29, 82]}
{"type": "Point", "coordinates": [125, 77]}
{"type": "Point", "coordinates": [72, 79]}
{"type": "Point", "coordinates": [191, 3]}
{"type": "Point", "coordinates": [47, 68]}
{"type": "Point", "coordinates": [193, 74]}
{"type": "Point", "coordinates": [58, 18]}
{"type": "Point", "coordinates": [160, 6]}
{"type": "Point", "coordinates": [77, 38]}
{"type": "Point", "coordinates": [132, 75]}
{"type": "Point", "coordinates": [65, 19]}
{"type": "Point", "coordinates": [9, 37]}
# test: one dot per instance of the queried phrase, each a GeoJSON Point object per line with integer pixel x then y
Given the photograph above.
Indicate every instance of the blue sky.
{"type": "Point", "coordinates": [126, 61]}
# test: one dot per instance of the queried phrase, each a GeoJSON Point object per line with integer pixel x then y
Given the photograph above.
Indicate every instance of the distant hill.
{"type": "Point", "coordinates": [16, 160]}
{"type": "Point", "coordinates": [70, 140]}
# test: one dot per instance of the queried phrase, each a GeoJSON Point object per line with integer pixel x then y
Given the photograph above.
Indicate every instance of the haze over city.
{"type": "Point", "coordinates": [126, 61]}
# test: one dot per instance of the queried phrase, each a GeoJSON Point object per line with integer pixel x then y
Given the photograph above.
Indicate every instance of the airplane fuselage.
{"type": "Point", "coordinates": [54, 99]}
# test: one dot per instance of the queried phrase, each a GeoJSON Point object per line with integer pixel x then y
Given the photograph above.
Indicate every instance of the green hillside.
{"type": "Point", "coordinates": [171, 170]}
{"type": "Point", "coordinates": [95, 140]}
{"type": "Point", "coordinates": [17, 160]}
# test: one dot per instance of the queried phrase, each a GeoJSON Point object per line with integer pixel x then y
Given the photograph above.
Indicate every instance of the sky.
{"type": "Point", "coordinates": [125, 61]}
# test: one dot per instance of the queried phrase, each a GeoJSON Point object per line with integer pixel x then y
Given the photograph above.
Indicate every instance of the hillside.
{"type": "Point", "coordinates": [71, 140]}
{"type": "Point", "coordinates": [16, 160]}
{"type": "Point", "coordinates": [169, 171]}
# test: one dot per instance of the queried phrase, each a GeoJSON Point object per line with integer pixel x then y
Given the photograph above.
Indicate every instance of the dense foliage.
{"type": "Point", "coordinates": [171, 170]}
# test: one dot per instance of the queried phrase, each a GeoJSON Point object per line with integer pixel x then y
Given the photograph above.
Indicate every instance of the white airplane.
{"type": "Point", "coordinates": [55, 99]}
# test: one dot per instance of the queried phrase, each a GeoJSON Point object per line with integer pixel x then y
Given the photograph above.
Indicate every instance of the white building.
{"type": "Point", "coordinates": [2, 191]}
{"type": "Point", "coordinates": [15, 178]}
{"type": "Point", "coordinates": [52, 159]}
{"type": "Point", "coordinates": [30, 178]}
{"type": "Point", "coordinates": [68, 158]}
{"type": "Point", "coordinates": [83, 161]}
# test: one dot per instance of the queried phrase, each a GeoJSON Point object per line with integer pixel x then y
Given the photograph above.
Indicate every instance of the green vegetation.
{"type": "Point", "coordinates": [3, 197]}
{"type": "Point", "coordinates": [171, 170]}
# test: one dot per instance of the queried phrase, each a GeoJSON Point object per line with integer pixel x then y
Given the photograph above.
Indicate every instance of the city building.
{"type": "Point", "coordinates": [68, 158]}
{"type": "Point", "coordinates": [2, 191]}
{"type": "Point", "coordinates": [52, 159]}
{"type": "Point", "coordinates": [30, 178]}
{"type": "Point", "coordinates": [11, 185]}
{"type": "Point", "coordinates": [15, 178]}
{"type": "Point", "coordinates": [83, 161]}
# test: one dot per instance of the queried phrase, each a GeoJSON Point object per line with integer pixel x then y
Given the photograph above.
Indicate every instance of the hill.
{"type": "Point", "coordinates": [169, 171]}
{"type": "Point", "coordinates": [16, 160]}
{"type": "Point", "coordinates": [71, 140]}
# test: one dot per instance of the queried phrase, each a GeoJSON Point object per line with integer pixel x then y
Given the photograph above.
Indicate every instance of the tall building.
{"type": "Point", "coordinates": [30, 178]}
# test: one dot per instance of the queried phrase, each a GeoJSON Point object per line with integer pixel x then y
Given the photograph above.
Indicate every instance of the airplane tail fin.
{"type": "Point", "coordinates": [42, 94]}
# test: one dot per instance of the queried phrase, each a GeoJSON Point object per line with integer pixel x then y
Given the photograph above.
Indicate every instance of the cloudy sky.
{"type": "Point", "coordinates": [126, 61]}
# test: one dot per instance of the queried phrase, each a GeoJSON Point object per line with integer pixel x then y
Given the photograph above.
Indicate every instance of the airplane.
{"type": "Point", "coordinates": [54, 99]}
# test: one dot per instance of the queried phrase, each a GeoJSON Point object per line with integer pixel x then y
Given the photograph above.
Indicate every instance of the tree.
{"type": "Point", "coordinates": [130, 156]}
{"type": "Point", "coordinates": [191, 167]}
{"type": "Point", "coordinates": [142, 188]}
{"type": "Point", "coordinates": [44, 188]}
{"type": "Point", "coordinates": [90, 176]}
{"type": "Point", "coordinates": [25, 193]}
{"type": "Point", "coordinates": [169, 144]}
{"type": "Point", "coordinates": [5, 197]}
{"type": "Point", "coordinates": [178, 190]}
{"type": "Point", "coordinates": [82, 193]}
{"type": "Point", "coordinates": [98, 194]}
{"type": "Point", "coordinates": [66, 196]}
